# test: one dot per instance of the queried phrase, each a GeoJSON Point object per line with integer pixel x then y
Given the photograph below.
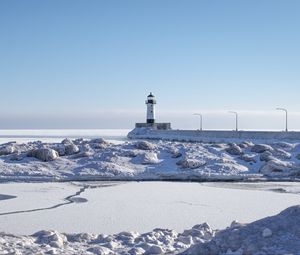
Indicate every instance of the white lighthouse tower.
{"type": "Point", "coordinates": [150, 120]}
{"type": "Point", "coordinates": [150, 102]}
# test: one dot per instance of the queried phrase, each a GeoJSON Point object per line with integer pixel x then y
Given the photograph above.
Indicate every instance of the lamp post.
{"type": "Point", "coordinates": [236, 119]}
{"type": "Point", "coordinates": [286, 117]}
{"type": "Point", "coordinates": [200, 119]}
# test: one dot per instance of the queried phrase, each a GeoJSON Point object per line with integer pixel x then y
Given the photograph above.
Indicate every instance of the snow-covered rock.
{"type": "Point", "coordinates": [98, 143]}
{"type": "Point", "coordinates": [175, 152]}
{"type": "Point", "coordinates": [274, 235]}
{"type": "Point", "coordinates": [145, 145]}
{"type": "Point", "coordinates": [266, 156]}
{"type": "Point", "coordinates": [260, 148]}
{"type": "Point", "coordinates": [144, 159]}
{"type": "Point", "coordinates": [61, 149]}
{"type": "Point", "coordinates": [285, 145]}
{"type": "Point", "coordinates": [67, 141]}
{"type": "Point", "coordinates": [155, 249]}
{"type": "Point", "coordinates": [52, 238]}
{"type": "Point", "coordinates": [149, 158]}
{"type": "Point", "coordinates": [246, 144]}
{"type": "Point", "coordinates": [71, 149]}
{"type": "Point", "coordinates": [201, 232]}
{"type": "Point", "coordinates": [44, 154]}
{"type": "Point", "coordinates": [100, 250]}
{"type": "Point", "coordinates": [98, 140]}
{"type": "Point", "coordinates": [136, 251]}
{"type": "Point", "coordinates": [234, 149]}
{"type": "Point", "coordinates": [68, 148]}
{"type": "Point", "coordinates": [277, 167]}
{"type": "Point", "coordinates": [9, 149]}
{"type": "Point", "coordinates": [282, 154]}
{"type": "Point", "coordinates": [190, 163]}
{"type": "Point", "coordinates": [248, 158]}
{"type": "Point", "coordinates": [128, 153]}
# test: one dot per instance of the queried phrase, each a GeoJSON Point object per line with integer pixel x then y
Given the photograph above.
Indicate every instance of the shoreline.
{"type": "Point", "coordinates": [179, 180]}
{"type": "Point", "coordinates": [138, 160]}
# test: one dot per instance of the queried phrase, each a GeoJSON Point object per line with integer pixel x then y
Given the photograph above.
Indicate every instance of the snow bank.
{"type": "Point", "coordinates": [278, 234]}
{"type": "Point", "coordinates": [98, 159]}
{"type": "Point", "coordinates": [274, 235]}
{"type": "Point", "coordinates": [158, 241]}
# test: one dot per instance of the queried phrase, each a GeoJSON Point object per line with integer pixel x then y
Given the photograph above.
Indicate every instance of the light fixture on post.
{"type": "Point", "coordinates": [200, 120]}
{"type": "Point", "coordinates": [236, 119]}
{"type": "Point", "coordinates": [286, 117]}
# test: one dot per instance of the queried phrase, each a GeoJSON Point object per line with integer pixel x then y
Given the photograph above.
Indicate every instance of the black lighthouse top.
{"type": "Point", "coordinates": [150, 95]}
{"type": "Point", "coordinates": [150, 99]}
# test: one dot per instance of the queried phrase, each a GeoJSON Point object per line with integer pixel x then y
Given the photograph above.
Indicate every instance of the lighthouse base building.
{"type": "Point", "coordinates": [150, 120]}
{"type": "Point", "coordinates": [160, 126]}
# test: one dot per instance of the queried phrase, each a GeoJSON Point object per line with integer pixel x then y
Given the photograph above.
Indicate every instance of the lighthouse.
{"type": "Point", "coordinates": [150, 102]}
{"type": "Point", "coordinates": [150, 119]}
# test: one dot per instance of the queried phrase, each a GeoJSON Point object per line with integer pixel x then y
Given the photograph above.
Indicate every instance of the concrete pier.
{"type": "Point", "coordinates": [213, 135]}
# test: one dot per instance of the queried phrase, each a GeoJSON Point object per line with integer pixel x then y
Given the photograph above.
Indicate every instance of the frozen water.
{"type": "Point", "coordinates": [137, 206]}
{"type": "Point", "coordinates": [56, 135]}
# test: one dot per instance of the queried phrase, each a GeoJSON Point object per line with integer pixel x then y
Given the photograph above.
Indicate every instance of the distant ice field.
{"type": "Point", "coordinates": [57, 135]}
{"type": "Point", "coordinates": [105, 207]}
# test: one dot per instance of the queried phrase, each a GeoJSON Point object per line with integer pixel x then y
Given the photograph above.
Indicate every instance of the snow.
{"type": "Point", "coordinates": [97, 159]}
{"type": "Point", "coordinates": [139, 206]}
{"type": "Point", "coordinates": [108, 217]}
{"type": "Point", "coordinates": [158, 241]}
{"type": "Point", "coordinates": [276, 235]}
{"type": "Point", "coordinates": [33, 195]}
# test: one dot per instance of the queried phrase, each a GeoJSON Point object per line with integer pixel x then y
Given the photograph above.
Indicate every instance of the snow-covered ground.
{"type": "Point", "coordinates": [109, 207]}
{"type": "Point", "coordinates": [276, 235]}
{"type": "Point", "coordinates": [136, 206]}
{"type": "Point", "coordinates": [117, 209]}
{"type": "Point", "coordinates": [98, 159]}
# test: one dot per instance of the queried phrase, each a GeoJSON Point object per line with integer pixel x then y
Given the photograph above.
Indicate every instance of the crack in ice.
{"type": "Point", "coordinates": [68, 201]}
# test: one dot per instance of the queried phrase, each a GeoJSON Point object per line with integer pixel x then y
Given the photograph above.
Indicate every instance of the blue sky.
{"type": "Point", "coordinates": [90, 64]}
